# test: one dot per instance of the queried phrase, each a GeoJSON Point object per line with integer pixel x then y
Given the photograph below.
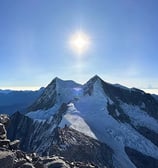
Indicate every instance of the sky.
{"type": "Point", "coordinates": [35, 35]}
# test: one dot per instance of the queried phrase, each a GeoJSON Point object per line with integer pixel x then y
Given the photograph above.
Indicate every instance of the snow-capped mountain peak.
{"type": "Point", "coordinates": [124, 119]}
{"type": "Point", "coordinates": [93, 86]}
{"type": "Point", "coordinates": [95, 78]}
{"type": "Point", "coordinates": [54, 95]}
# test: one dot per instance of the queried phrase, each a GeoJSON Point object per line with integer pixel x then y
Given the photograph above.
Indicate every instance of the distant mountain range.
{"type": "Point", "coordinates": [12, 101]}
{"type": "Point", "coordinates": [106, 124]}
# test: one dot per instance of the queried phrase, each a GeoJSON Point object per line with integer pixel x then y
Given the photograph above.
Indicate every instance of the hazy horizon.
{"type": "Point", "coordinates": [147, 90]}
{"type": "Point", "coordinates": [117, 40]}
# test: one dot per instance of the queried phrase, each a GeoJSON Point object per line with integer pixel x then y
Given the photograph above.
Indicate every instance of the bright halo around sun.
{"type": "Point", "coordinates": [79, 42]}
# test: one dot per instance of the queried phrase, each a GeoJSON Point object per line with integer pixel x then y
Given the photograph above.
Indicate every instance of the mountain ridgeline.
{"type": "Point", "coordinates": [106, 124]}
{"type": "Point", "coordinates": [11, 101]}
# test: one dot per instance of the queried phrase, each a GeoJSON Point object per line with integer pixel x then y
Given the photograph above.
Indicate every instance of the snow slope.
{"type": "Point", "coordinates": [88, 113]}
{"type": "Point", "coordinates": [60, 92]}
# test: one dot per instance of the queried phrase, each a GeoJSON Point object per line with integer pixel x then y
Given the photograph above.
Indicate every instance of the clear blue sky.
{"type": "Point", "coordinates": [34, 37]}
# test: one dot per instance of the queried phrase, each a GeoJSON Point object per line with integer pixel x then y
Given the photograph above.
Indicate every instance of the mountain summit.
{"type": "Point", "coordinates": [124, 120]}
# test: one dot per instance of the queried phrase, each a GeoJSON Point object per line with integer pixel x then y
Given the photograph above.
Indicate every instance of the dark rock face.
{"type": "Point", "coordinates": [140, 160]}
{"type": "Point", "coordinates": [4, 142]}
{"type": "Point", "coordinates": [75, 146]}
{"type": "Point", "coordinates": [45, 101]}
{"type": "Point", "coordinates": [88, 88]}
{"type": "Point", "coordinates": [68, 143]}
{"type": "Point", "coordinates": [122, 117]}
{"type": "Point", "coordinates": [32, 134]}
{"type": "Point", "coordinates": [52, 94]}
{"type": "Point", "coordinates": [12, 157]}
{"type": "Point", "coordinates": [4, 120]}
{"type": "Point", "coordinates": [15, 144]}
{"type": "Point", "coordinates": [2, 131]}
{"type": "Point", "coordinates": [133, 97]}
{"type": "Point", "coordinates": [6, 159]}
{"type": "Point", "coordinates": [148, 133]}
{"type": "Point", "coordinates": [21, 128]}
{"type": "Point", "coordinates": [120, 94]}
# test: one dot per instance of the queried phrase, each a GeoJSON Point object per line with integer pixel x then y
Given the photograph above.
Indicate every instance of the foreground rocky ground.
{"type": "Point", "coordinates": [12, 157]}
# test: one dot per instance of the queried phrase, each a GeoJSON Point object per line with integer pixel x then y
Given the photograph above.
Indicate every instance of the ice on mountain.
{"type": "Point", "coordinates": [87, 113]}
{"type": "Point", "coordinates": [140, 117]}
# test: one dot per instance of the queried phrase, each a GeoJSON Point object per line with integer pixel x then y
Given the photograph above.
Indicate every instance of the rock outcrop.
{"type": "Point", "coordinates": [12, 157]}
{"type": "Point", "coordinates": [73, 145]}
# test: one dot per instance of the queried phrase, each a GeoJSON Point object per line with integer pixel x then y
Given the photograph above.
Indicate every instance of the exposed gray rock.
{"type": "Point", "coordinates": [39, 164]}
{"type": "Point", "coordinates": [27, 165]}
{"type": "Point", "coordinates": [148, 133]}
{"type": "Point", "coordinates": [15, 144]}
{"type": "Point", "coordinates": [21, 130]}
{"type": "Point", "coordinates": [19, 154]}
{"type": "Point", "coordinates": [2, 131]}
{"type": "Point", "coordinates": [19, 163]}
{"type": "Point", "coordinates": [69, 143]}
{"type": "Point", "coordinates": [4, 143]}
{"type": "Point", "coordinates": [45, 102]}
{"type": "Point", "coordinates": [4, 119]}
{"type": "Point", "coordinates": [12, 157]}
{"type": "Point", "coordinates": [131, 96]}
{"type": "Point", "coordinates": [75, 146]}
{"type": "Point", "coordinates": [6, 159]}
{"type": "Point", "coordinates": [57, 164]}
{"type": "Point", "coordinates": [140, 160]}
{"type": "Point", "coordinates": [48, 159]}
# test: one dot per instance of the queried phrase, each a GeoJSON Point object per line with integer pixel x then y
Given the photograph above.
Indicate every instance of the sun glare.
{"type": "Point", "coordinates": [79, 42]}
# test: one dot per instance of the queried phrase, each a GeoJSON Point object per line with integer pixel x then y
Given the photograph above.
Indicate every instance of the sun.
{"type": "Point", "coordinates": [79, 42]}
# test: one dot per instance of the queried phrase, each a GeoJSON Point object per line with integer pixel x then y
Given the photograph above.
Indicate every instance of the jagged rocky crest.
{"type": "Point", "coordinates": [66, 142]}
{"type": "Point", "coordinates": [12, 157]}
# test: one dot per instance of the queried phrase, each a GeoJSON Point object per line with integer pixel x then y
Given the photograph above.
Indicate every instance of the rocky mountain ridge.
{"type": "Point", "coordinates": [124, 120]}
{"type": "Point", "coordinates": [12, 157]}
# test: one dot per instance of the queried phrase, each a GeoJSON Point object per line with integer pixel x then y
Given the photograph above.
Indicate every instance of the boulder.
{"type": "Point", "coordinates": [27, 165]}
{"type": "Point", "coordinates": [4, 143]}
{"type": "Point", "coordinates": [19, 154]}
{"type": "Point", "coordinates": [15, 145]}
{"type": "Point", "coordinates": [28, 158]}
{"type": "Point", "coordinates": [47, 160]}
{"type": "Point", "coordinates": [57, 164]}
{"type": "Point", "coordinates": [39, 164]}
{"type": "Point", "coordinates": [19, 163]}
{"type": "Point", "coordinates": [4, 119]}
{"type": "Point", "coordinates": [6, 159]}
{"type": "Point", "coordinates": [3, 134]}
